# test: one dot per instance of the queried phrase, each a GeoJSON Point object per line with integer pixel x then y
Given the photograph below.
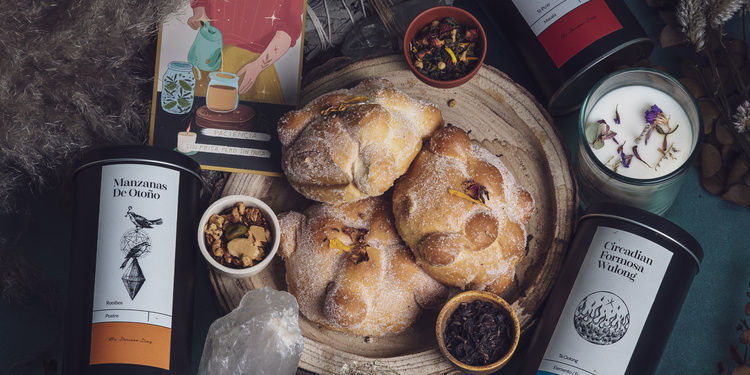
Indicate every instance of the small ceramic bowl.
{"type": "Point", "coordinates": [471, 296]}
{"type": "Point", "coordinates": [228, 202]}
{"type": "Point", "coordinates": [438, 13]}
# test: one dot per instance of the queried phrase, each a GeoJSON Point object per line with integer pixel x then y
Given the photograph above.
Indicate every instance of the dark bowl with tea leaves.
{"type": "Point", "coordinates": [477, 332]}
{"type": "Point", "coordinates": [445, 46]}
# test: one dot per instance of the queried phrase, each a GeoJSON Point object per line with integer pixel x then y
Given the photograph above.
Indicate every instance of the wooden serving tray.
{"type": "Point", "coordinates": [501, 116]}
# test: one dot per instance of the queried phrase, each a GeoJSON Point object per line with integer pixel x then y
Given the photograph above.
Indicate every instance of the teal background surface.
{"type": "Point", "coordinates": [702, 334]}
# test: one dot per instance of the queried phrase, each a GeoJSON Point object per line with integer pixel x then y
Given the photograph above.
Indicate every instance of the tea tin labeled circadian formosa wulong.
{"type": "Point", "coordinates": [618, 295]}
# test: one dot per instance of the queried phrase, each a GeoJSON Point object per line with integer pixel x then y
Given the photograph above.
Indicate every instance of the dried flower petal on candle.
{"type": "Point", "coordinates": [665, 133]}
{"type": "Point", "coordinates": [668, 154]}
{"type": "Point", "coordinates": [601, 137]}
{"type": "Point", "coordinates": [654, 118]}
{"type": "Point", "coordinates": [596, 140]}
{"type": "Point", "coordinates": [613, 163]}
{"type": "Point", "coordinates": [592, 132]}
{"type": "Point", "coordinates": [617, 115]}
{"type": "Point", "coordinates": [635, 152]}
{"type": "Point", "coordinates": [615, 166]}
{"type": "Point", "coordinates": [625, 159]}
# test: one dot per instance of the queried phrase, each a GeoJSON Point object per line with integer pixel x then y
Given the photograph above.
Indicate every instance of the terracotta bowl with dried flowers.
{"type": "Point", "coordinates": [445, 46]}
{"type": "Point", "coordinates": [458, 326]}
{"type": "Point", "coordinates": [238, 235]}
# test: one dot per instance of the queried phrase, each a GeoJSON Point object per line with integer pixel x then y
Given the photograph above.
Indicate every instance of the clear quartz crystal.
{"type": "Point", "coordinates": [260, 336]}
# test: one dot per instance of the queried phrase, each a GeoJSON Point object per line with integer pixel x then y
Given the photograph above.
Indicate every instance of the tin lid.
{"type": "Point", "coordinates": [139, 154]}
{"type": "Point", "coordinates": [570, 95]}
{"type": "Point", "coordinates": [659, 225]}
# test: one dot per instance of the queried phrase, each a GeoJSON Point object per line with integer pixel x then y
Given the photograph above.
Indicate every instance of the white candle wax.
{"type": "Point", "coordinates": [632, 102]}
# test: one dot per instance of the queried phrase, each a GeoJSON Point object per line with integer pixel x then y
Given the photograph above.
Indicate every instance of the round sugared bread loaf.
{"type": "Point", "coordinates": [462, 213]}
{"type": "Point", "coordinates": [354, 143]}
{"type": "Point", "coordinates": [350, 271]}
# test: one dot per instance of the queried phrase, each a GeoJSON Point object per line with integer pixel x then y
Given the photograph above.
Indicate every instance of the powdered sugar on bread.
{"type": "Point", "coordinates": [383, 294]}
{"type": "Point", "coordinates": [354, 143]}
{"type": "Point", "coordinates": [462, 242]}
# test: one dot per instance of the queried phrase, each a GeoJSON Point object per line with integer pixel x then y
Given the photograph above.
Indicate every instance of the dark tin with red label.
{"type": "Point", "coordinates": [580, 43]}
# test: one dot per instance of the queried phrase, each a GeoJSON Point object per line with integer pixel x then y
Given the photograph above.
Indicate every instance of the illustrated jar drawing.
{"type": "Point", "coordinates": [178, 88]}
{"type": "Point", "coordinates": [223, 92]}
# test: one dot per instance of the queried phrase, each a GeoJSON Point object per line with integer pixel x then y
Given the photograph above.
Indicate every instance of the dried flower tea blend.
{"type": "Point", "coordinates": [445, 50]}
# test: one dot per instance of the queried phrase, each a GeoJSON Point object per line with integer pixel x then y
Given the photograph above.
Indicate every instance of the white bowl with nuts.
{"type": "Point", "coordinates": [238, 235]}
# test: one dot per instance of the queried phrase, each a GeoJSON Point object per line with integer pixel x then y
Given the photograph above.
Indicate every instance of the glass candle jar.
{"type": "Point", "coordinates": [178, 88]}
{"type": "Point", "coordinates": [223, 92]}
{"type": "Point", "coordinates": [639, 132]}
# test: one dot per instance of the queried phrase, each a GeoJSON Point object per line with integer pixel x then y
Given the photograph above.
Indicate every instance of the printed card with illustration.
{"type": "Point", "coordinates": [226, 71]}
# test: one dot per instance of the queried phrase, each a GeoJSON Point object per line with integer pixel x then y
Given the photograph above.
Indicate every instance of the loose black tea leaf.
{"type": "Point", "coordinates": [478, 333]}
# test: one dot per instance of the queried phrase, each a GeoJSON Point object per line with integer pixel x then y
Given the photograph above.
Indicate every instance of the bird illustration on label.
{"type": "Point", "coordinates": [135, 244]}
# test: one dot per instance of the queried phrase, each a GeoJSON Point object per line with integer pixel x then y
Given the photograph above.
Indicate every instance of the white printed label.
{"type": "Point", "coordinates": [608, 306]}
{"type": "Point", "coordinates": [540, 14]}
{"type": "Point", "coordinates": [136, 247]}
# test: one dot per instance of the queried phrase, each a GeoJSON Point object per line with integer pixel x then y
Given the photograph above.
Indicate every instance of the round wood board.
{"type": "Point", "coordinates": [501, 116]}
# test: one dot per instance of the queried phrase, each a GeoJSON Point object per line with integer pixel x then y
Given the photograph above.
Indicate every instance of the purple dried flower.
{"type": "Point", "coordinates": [655, 117]}
{"type": "Point", "coordinates": [617, 116]}
{"type": "Point", "coordinates": [625, 159]}
{"type": "Point", "coordinates": [608, 133]}
{"type": "Point", "coordinates": [652, 113]}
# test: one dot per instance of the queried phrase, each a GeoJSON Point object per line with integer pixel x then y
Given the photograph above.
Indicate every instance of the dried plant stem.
{"type": "Point", "coordinates": [718, 97]}
{"type": "Point", "coordinates": [719, 91]}
{"type": "Point", "coordinates": [389, 21]}
{"type": "Point", "coordinates": [736, 75]}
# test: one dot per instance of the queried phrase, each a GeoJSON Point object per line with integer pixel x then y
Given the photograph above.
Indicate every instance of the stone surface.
{"type": "Point", "coordinates": [260, 336]}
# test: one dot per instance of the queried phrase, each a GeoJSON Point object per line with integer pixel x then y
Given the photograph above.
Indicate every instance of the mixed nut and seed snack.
{"type": "Point", "coordinates": [238, 237]}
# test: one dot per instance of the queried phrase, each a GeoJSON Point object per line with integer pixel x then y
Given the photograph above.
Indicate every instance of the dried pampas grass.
{"type": "Point", "coordinates": [719, 12]}
{"type": "Point", "coordinates": [692, 20]}
{"type": "Point", "coordinates": [75, 75]}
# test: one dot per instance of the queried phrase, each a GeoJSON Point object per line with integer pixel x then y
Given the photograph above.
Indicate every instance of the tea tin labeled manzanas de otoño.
{"type": "Point", "coordinates": [618, 295]}
{"type": "Point", "coordinates": [132, 262]}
